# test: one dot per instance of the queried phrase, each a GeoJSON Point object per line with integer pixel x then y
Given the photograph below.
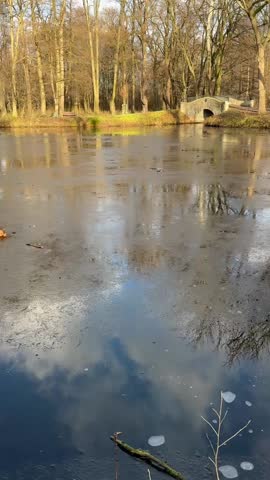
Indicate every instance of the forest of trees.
{"type": "Point", "coordinates": [130, 55]}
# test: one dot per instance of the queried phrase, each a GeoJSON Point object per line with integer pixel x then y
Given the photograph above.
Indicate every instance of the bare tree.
{"type": "Point", "coordinates": [142, 17]}
{"type": "Point", "coordinates": [15, 21]}
{"type": "Point", "coordinates": [117, 52]}
{"type": "Point", "coordinates": [33, 5]}
{"type": "Point", "coordinates": [258, 12]}
{"type": "Point", "coordinates": [58, 13]}
{"type": "Point", "coordinates": [142, 53]}
{"type": "Point", "coordinates": [93, 46]}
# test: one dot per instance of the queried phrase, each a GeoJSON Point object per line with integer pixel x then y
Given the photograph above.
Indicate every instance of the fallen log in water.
{"type": "Point", "coordinates": [148, 458]}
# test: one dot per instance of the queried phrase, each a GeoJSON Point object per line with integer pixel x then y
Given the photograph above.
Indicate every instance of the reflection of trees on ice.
{"type": "Point", "coordinates": [251, 343]}
{"type": "Point", "coordinates": [237, 341]}
{"type": "Point", "coordinates": [218, 202]}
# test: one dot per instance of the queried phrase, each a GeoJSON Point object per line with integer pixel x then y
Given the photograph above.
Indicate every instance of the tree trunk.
{"type": "Point", "coordinates": [58, 24]}
{"type": "Point", "coordinates": [41, 82]}
{"type": "Point", "coordinates": [70, 93]}
{"type": "Point", "coordinates": [39, 61]}
{"type": "Point", "coordinates": [96, 94]}
{"type": "Point", "coordinates": [61, 80]}
{"type": "Point", "coordinates": [13, 59]}
{"type": "Point", "coordinates": [144, 98]}
{"type": "Point", "coordinates": [133, 77]}
{"type": "Point", "coordinates": [3, 109]}
{"type": "Point", "coordinates": [26, 71]}
{"type": "Point", "coordinates": [85, 104]}
{"type": "Point", "coordinates": [155, 94]}
{"type": "Point", "coordinates": [14, 92]}
{"type": "Point", "coordinates": [28, 88]}
{"type": "Point", "coordinates": [53, 85]}
{"type": "Point", "coordinates": [209, 47]}
{"type": "Point", "coordinates": [90, 40]}
{"type": "Point", "coordinates": [248, 80]}
{"type": "Point", "coordinates": [116, 64]}
{"type": "Point", "coordinates": [218, 75]}
{"type": "Point", "coordinates": [261, 72]}
{"type": "Point", "coordinates": [57, 76]}
{"type": "Point", "coordinates": [184, 93]}
{"type": "Point", "coordinates": [167, 82]}
{"type": "Point", "coordinates": [169, 92]}
{"type": "Point", "coordinates": [218, 83]}
{"type": "Point", "coordinates": [125, 84]}
{"type": "Point", "coordinates": [259, 18]}
{"type": "Point", "coordinates": [94, 54]}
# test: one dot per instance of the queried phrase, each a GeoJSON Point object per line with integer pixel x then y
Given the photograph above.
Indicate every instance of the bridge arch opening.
{"type": "Point", "coordinates": [207, 113]}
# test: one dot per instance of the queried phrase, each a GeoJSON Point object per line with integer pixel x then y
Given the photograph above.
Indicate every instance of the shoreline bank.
{"type": "Point", "coordinates": [104, 120]}
{"type": "Point", "coordinates": [229, 119]}
{"type": "Point", "coordinates": [233, 119]}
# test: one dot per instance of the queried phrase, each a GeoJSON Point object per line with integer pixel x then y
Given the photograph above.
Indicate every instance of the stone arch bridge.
{"type": "Point", "coordinates": [199, 109]}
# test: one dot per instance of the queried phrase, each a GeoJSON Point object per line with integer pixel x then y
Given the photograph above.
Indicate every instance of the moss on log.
{"type": "Point", "coordinates": [148, 458]}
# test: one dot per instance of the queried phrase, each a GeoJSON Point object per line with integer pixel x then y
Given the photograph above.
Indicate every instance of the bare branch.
{"type": "Point", "coordinates": [235, 434]}
{"type": "Point", "coordinates": [208, 423]}
{"type": "Point", "coordinates": [210, 443]}
{"type": "Point", "coordinates": [216, 449]}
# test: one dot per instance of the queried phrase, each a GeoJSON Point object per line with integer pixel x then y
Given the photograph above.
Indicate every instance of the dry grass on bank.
{"type": "Point", "coordinates": [37, 121]}
{"type": "Point", "coordinates": [232, 119]}
{"type": "Point", "coordinates": [160, 118]}
{"type": "Point", "coordinates": [104, 120]}
{"type": "Point", "coordinates": [235, 119]}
